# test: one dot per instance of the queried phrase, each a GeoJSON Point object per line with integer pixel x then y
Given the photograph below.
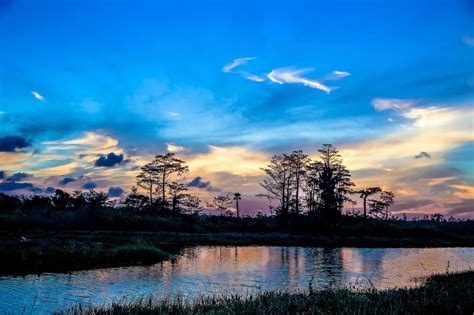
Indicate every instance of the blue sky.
{"type": "Point", "coordinates": [231, 81]}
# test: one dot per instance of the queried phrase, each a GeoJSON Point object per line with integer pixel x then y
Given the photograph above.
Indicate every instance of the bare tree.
{"type": "Point", "coordinates": [388, 198]}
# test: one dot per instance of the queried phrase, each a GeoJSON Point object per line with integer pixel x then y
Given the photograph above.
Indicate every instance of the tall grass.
{"type": "Point", "coordinates": [440, 294]}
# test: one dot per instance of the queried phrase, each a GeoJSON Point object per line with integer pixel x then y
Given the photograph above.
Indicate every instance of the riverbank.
{"type": "Point", "coordinates": [440, 294]}
{"type": "Point", "coordinates": [37, 251]}
{"type": "Point", "coordinates": [40, 251]}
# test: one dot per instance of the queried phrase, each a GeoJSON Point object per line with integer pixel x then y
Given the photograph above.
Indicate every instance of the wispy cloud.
{"type": "Point", "coordinates": [468, 40]}
{"type": "Point", "coordinates": [237, 62]}
{"type": "Point", "coordinates": [231, 68]}
{"type": "Point", "coordinates": [381, 104]}
{"type": "Point", "coordinates": [38, 96]}
{"type": "Point", "coordinates": [294, 76]}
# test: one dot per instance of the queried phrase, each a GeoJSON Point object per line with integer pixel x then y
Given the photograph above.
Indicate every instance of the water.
{"type": "Point", "coordinates": [221, 270]}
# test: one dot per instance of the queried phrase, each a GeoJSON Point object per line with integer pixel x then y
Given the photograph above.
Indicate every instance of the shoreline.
{"type": "Point", "coordinates": [66, 251]}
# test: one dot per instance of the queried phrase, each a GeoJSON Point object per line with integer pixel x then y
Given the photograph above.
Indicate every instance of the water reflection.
{"type": "Point", "coordinates": [220, 270]}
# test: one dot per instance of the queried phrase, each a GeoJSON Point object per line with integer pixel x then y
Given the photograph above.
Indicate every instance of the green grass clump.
{"type": "Point", "coordinates": [441, 294]}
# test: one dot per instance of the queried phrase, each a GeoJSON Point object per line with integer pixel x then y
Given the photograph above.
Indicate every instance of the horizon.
{"type": "Point", "coordinates": [90, 92]}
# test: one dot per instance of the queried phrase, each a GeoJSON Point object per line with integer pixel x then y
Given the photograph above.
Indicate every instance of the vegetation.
{"type": "Point", "coordinates": [64, 252]}
{"type": "Point", "coordinates": [440, 294]}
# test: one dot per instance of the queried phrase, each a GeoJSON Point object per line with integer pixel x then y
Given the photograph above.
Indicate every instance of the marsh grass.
{"type": "Point", "coordinates": [450, 293]}
{"type": "Point", "coordinates": [64, 253]}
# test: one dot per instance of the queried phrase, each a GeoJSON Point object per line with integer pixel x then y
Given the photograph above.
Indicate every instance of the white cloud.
{"type": "Point", "coordinates": [289, 75]}
{"type": "Point", "coordinates": [237, 62]}
{"type": "Point", "coordinates": [173, 114]}
{"type": "Point", "coordinates": [381, 104]}
{"type": "Point", "coordinates": [174, 148]}
{"type": "Point", "coordinates": [253, 77]}
{"type": "Point", "coordinates": [37, 96]}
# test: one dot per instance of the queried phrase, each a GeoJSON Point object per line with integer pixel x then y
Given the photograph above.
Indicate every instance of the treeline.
{"type": "Point", "coordinates": [294, 184]}
{"type": "Point", "coordinates": [319, 188]}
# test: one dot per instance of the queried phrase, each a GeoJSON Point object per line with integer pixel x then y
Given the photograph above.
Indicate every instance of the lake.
{"type": "Point", "coordinates": [222, 270]}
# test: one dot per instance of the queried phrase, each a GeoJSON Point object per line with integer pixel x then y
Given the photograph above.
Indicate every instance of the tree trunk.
{"type": "Point", "coordinates": [163, 192]}
{"type": "Point", "coordinates": [151, 191]}
{"type": "Point", "coordinates": [365, 207]}
{"type": "Point", "coordinates": [237, 206]}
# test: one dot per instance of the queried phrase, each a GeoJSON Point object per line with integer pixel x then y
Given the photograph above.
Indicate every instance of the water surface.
{"type": "Point", "coordinates": [221, 270]}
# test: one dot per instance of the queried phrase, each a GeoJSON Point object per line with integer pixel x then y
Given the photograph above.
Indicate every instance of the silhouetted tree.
{"type": "Point", "coordinates": [334, 181]}
{"type": "Point", "coordinates": [178, 195]}
{"type": "Point", "coordinates": [388, 198]}
{"type": "Point", "coordinates": [148, 180]}
{"type": "Point", "coordinates": [298, 162]}
{"type": "Point", "coordinates": [158, 172]}
{"type": "Point", "coordinates": [62, 201]}
{"type": "Point", "coordinates": [237, 197]}
{"type": "Point", "coordinates": [279, 184]}
{"type": "Point", "coordinates": [365, 193]}
{"type": "Point", "coordinates": [135, 200]}
{"type": "Point", "coordinates": [221, 203]}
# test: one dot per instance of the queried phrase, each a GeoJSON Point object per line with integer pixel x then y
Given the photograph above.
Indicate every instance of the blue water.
{"type": "Point", "coordinates": [223, 270]}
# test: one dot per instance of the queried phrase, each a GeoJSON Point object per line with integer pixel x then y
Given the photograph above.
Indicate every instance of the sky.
{"type": "Point", "coordinates": [91, 90]}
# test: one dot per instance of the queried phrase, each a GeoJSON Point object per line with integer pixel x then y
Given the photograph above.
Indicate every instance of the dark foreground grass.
{"type": "Point", "coordinates": [440, 294]}
{"type": "Point", "coordinates": [56, 252]}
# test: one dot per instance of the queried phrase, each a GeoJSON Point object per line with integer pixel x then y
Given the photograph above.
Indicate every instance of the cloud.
{"type": "Point", "coordinates": [13, 144]}
{"type": "Point", "coordinates": [66, 180]}
{"type": "Point", "coordinates": [381, 104]}
{"type": "Point", "coordinates": [294, 76]}
{"type": "Point", "coordinates": [109, 160]}
{"type": "Point", "coordinates": [10, 186]}
{"type": "Point", "coordinates": [174, 148]}
{"type": "Point", "coordinates": [115, 192]}
{"type": "Point", "coordinates": [252, 77]}
{"type": "Point", "coordinates": [18, 177]}
{"type": "Point", "coordinates": [229, 68]}
{"type": "Point", "coordinates": [468, 40]}
{"type": "Point", "coordinates": [89, 185]}
{"type": "Point", "coordinates": [38, 96]}
{"type": "Point", "coordinates": [2, 174]}
{"type": "Point", "coordinates": [237, 62]}
{"type": "Point", "coordinates": [197, 182]}
{"type": "Point", "coordinates": [50, 190]}
{"type": "Point", "coordinates": [423, 154]}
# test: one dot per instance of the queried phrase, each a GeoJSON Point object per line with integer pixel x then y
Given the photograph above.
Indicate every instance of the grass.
{"type": "Point", "coordinates": [56, 252]}
{"type": "Point", "coordinates": [451, 293]}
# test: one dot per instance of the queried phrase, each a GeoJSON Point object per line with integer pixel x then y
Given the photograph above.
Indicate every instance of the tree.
{"type": "Point", "coordinates": [148, 179]}
{"type": "Point", "coordinates": [279, 184]}
{"type": "Point", "coordinates": [298, 162]}
{"type": "Point", "coordinates": [135, 200]}
{"type": "Point", "coordinates": [221, 203]}
{"type": "Point", "coordinates": [365, 193]}
{"type": "Point", "coordinates": [334, 182]}
{"type": "Point", "coordinates": [388, 198]}
{"type": "Point", "coordinates": [158, 173]}
{"type": "Point", "coordinates": [177, 193]}
{"type": "Point", "coordinates": [237, 197]}
{"type": "Point", "coordinates": [311, 187]}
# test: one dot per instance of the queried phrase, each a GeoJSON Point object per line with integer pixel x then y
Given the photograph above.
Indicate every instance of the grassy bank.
{"type": "Point", "coordinates": [57, 252]}
{"type": "Point", "coordinates": [441, 294]}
